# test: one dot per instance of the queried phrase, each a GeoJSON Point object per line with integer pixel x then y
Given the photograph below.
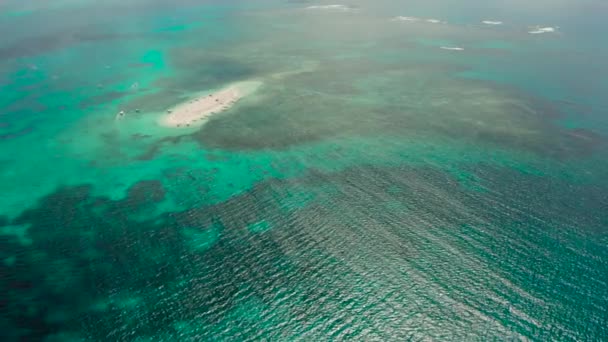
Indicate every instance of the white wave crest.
{"type": "Point", "coordinates": [452, 48]}
{"type": "Point", "coordinates": [330, 7]}
{"type": "Point", "coordinates": [491, 22]}
{"type": "Point", "coordinates": [414, 19]}
{"type": "Point", "coordinates": [402, 18]}
{"type": "Point", "coordinates": [541, 30]}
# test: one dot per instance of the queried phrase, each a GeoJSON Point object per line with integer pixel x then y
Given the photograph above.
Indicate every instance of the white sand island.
{"type": "Point", "coordinates": [198, 110]}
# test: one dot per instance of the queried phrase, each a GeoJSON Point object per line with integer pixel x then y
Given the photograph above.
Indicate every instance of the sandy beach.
{"type": "Point", "coordinates": [198, 110]}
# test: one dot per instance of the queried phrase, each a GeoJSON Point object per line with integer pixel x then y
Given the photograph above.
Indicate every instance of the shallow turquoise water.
{"type": "Point", "coordinates": [376, 187]}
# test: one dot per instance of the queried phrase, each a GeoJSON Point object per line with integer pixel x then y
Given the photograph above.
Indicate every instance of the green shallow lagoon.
{"type": "Point", "coordinates": [376, 187]}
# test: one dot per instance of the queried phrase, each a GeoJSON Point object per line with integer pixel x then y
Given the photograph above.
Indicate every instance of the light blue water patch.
{"type": "Point", "coordinates": [10, 261]}
{"type": "Point", "coordinates": [584, 109]}
{"type": "Point", "coordinates": [259, 227]}
{"type": "Point", "coordinates": [435, 42]}
{"type": "Point", "coordinates": [495, 44]}
{"type": "Point", "coordinates": [466, 179]}
{"type": "Point", "coordinates": [175, 28]}
{"type": "Point", "coordinates": [296, 199]}
{"type": "Point", "coordinates": [201, 239]}
{"type": "Point", "coordinates": [155, 57]}
{"type": "Point", "coordinates": [18, 232]}
{"type": "Point", "coordinates": [16, 14]}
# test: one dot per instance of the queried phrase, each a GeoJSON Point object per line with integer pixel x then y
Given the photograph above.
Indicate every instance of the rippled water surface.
{"type": "Point", "coordinates": [419, 170]}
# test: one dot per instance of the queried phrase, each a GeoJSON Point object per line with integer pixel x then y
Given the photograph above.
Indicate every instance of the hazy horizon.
{"type": "Point", "coordinates": [303, 170]}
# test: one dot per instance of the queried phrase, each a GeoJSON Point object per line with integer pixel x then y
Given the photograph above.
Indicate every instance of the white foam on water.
{"type": "Point", "coordinates": [330, 7]}
{"type": "Point", "coordinates": [491, 22]}
{"type": "Point", "coordinates": [402, 18]}
{"type": "Point", "coordinates": [541, 30]}
{"type": "Point", "coordinates": [414, 19]}
{"type": "Point", "coordinates": [452, 48]}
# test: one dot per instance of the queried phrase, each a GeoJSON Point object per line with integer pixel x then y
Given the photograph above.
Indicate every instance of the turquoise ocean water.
{"type": "Point", "coordinates": [376, 187]}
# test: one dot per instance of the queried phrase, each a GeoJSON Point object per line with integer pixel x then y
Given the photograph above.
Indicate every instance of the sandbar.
{"type": "Point", "coordinates": [199, 109]}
